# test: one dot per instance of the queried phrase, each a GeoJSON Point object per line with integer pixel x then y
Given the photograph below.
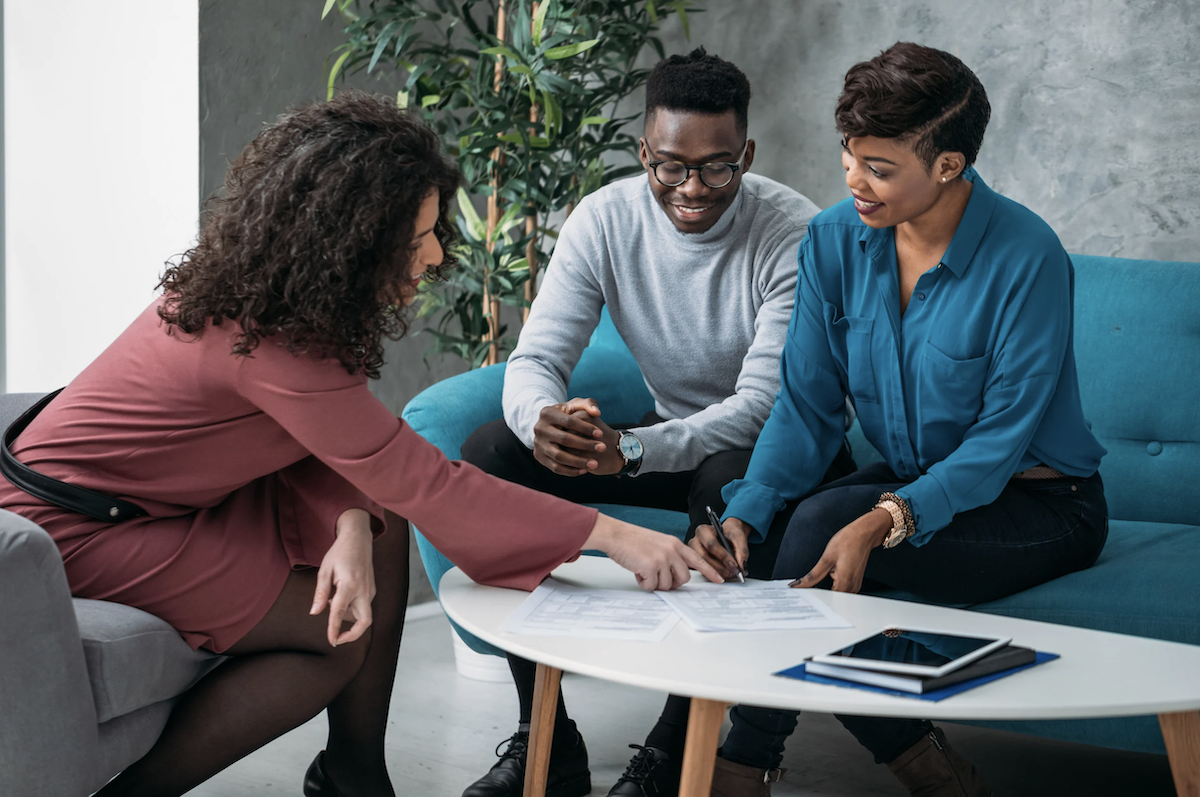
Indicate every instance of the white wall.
{"type": "Point", "coordinates": [102, 152]}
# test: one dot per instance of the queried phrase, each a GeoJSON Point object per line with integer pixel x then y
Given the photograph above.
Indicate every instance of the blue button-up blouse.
{"type": "Point", "coordinates": [973, 383]}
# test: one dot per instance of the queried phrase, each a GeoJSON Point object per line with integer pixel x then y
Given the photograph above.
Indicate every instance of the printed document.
{"type": "Point", "coordinates": [753, 606]}
{"type": "Point", "coordinates": [559, 609]}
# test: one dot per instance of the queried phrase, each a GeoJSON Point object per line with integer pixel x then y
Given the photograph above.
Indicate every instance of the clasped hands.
{"type": "Point", "coordinates": [570, 439]}
{"type": "Point", "coordinates": [844, 559]}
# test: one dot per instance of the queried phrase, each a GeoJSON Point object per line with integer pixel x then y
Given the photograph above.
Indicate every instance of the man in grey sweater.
{"type": "Point", "coordinates": [696, 263]}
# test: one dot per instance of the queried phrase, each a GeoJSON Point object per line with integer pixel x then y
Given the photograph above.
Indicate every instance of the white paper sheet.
{"type": "Point", "coordinates": [558, 609]}
{"type": "Point", "coordinates": [753, 606]}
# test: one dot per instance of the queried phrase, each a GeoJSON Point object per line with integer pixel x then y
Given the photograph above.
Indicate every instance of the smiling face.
{"type": "Point", "coordinates": [890, 183]}
{"type": "Point", "coordinates": [695, 139]}
{"type": "Point", "coordinates": [423, 252]}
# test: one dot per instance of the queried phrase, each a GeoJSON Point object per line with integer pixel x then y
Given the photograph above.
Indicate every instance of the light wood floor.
{"type": "Point", "coordinates": [444, 729]}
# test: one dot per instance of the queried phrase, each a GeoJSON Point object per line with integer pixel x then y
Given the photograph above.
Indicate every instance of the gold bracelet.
{"type": "Point", "coordinates": [910, 524]}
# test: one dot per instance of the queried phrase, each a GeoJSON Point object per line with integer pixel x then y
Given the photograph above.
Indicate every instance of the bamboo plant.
{"type": "Point", "coordinates": [524, 95]}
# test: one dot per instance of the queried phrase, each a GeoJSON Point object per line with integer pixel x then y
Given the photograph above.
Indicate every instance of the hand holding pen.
{"type": "Point", "coordinates": [715, 522]}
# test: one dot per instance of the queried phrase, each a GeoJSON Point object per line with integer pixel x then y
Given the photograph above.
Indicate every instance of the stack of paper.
{"type": "Point", "coordinates": [559, 609]}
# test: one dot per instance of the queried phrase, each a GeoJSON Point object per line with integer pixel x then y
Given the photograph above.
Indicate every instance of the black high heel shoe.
{"type": "Point", "coordinates": [316, 782]}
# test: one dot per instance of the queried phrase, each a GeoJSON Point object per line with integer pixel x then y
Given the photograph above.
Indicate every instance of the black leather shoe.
{"type": "Point", "coordinates": [568, 777]}
{"type": "Point", "coordinates": [651, 773]}
{"type": "Point", "coordinates": [316, 782]}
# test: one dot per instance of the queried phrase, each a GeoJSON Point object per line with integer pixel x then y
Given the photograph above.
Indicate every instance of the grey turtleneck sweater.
{"type": "Point", "coordinates": [705, 314]}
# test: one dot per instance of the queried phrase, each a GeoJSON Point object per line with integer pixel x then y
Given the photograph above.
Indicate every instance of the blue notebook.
{"type": "Point", "coordinates": [799, 673]}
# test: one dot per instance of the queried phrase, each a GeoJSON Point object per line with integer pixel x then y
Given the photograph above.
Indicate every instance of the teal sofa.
{"type": "Point", "coordinates": [1137, 342]}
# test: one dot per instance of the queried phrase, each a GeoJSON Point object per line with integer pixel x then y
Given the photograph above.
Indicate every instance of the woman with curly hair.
{"type": "Point", "coordinates": [234, 413]}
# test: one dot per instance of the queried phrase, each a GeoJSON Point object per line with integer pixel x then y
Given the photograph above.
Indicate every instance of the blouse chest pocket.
{"type": "Point", "coordinates": [857, 332]}
{"type": "Point", "coordinates": [951, 389]}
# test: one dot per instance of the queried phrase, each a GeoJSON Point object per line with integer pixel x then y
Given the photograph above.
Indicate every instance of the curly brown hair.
{"type": "Point", "coordinates": [312, 231]}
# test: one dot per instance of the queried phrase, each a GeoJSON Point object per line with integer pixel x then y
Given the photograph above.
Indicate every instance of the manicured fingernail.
{"type": "Point", "coordinates": [314, 609]}
{"type": "Point", "coordinates": [795, 583]}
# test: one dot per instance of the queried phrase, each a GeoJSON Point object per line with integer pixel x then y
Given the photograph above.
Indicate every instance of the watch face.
{"type": "Point", "coordinates": [631, 447]}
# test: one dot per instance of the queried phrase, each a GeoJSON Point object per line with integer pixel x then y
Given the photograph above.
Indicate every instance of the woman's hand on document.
{"type": "Point", "coordinates": [659, 561]}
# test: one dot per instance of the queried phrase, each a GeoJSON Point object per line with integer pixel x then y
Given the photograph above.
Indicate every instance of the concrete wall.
{"type": "Point", "coordinates": [1095, 103]}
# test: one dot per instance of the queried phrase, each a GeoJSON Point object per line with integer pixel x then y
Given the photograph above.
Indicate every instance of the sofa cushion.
{"type": "Point", "coordinates": [135, 659]}
{"type": "Point", "coordinates": [1144, 584]}
{"type": "Point", "coordinates": [1137, 346]}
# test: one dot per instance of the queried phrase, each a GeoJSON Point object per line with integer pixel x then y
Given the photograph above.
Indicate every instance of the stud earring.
{"type": "Point", "coordinates": [943, 179]}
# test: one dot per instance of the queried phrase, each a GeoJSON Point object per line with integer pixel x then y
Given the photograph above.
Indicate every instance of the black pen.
{"type": "Point", "coordinates": [716, 524]}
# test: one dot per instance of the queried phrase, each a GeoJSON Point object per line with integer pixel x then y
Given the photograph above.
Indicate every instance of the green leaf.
{"type": "Point", "coordinates": [652, 11]}
{"type": "Point", "coordinates": [594, 120]}
{"type": "Point", "coordinates": [681, 9]}
{"type": "Point", "coordinates": [539, 20]}
{"type": "Point", "coordinates": [521, 69]}
{"type": "Point", "coordinates": [474, 223]}
{"type": "Point", "coordinates": [553, 113]}
{"type": "Point", "coordinates": [430, 99]}
{"type": "Point", "coordinates": [333, 73]}
{"type": "Point", "coordinates": [401, 99]}
{"type": "Point", "coordinates": [328, 7]}
{"type": "Point", "coordinates": [568, 50]}
{"type": "Point", "coordinates": [509, 219]}
{"type": "Point", "coordinates": [384, 38]}
{"type": "Point", "coordinates": [507, 53]}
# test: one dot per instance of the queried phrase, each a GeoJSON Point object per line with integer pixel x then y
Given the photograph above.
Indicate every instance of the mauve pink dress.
{"type": "Point", "coordinates": [243, 465]}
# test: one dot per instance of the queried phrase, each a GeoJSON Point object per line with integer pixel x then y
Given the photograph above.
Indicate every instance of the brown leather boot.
{"type": "Point", "coordinates": [932, 768]}
{"type": "Point", "coordinates": [739, 780]}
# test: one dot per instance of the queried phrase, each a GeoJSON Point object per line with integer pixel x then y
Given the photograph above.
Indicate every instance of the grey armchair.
{"type": "Point", "coordinates": [86, 686]}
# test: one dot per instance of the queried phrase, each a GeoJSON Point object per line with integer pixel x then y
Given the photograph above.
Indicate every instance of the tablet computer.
{"type": "Point", "coordinates": [914, 651]}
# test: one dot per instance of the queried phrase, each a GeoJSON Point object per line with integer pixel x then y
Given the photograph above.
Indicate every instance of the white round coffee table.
{"type": "Point", "coordinates": [1098, 675]}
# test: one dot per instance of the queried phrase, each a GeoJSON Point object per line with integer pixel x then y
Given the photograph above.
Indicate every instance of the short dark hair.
{"type": "Point", "coordinates": [914, 92]}
{"type": "Point", "coordinates": [312, 231]}
{"type": "Point", "coordinates": [698, 82]}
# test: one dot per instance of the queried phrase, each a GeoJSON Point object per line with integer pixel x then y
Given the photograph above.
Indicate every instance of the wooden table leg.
{"type": "Point", "coordinates": [700, 751]}
{"type": "Point", "coordinates": [1181, 732]}
{"type": "Point", "coordinates": [541, 729]}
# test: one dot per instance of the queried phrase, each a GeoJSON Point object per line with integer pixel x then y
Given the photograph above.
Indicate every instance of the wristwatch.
{"type": "Point", "coordinates": [902, 523]}
{"type": "Point", "coordinates": [630, 449]}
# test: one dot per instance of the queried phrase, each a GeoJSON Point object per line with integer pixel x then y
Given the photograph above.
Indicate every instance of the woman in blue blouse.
{"type": "Point", "coordinates": [944, 311]}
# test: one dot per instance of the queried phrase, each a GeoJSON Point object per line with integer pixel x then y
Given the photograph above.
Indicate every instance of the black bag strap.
{"type": "Point", "coordinates": [95, 505]}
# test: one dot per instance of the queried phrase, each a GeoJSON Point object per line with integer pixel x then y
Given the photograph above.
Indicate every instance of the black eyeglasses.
{"type": "Point", "coordinates": [713, 175]}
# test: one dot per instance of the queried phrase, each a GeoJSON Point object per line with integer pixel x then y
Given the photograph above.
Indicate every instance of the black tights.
{"type": "Point", "coordinates": [282, 674]}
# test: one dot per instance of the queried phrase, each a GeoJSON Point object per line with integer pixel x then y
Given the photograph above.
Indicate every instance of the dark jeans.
{"type": "Point", "coordinates": [1037, 530]}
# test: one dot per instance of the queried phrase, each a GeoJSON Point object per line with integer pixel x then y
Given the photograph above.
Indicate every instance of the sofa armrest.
{"type": "Point", "coordinates": [48, 730]}
{"type": "Point", "coordinates": [447, 412]}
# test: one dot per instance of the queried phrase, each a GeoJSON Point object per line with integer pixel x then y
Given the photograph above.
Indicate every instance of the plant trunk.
{"type": "Point", "coordinates": [491, 305]}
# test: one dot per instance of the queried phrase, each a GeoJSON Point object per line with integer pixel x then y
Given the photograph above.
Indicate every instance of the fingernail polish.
{"type": "Point", "coordinates": [796, 582]}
